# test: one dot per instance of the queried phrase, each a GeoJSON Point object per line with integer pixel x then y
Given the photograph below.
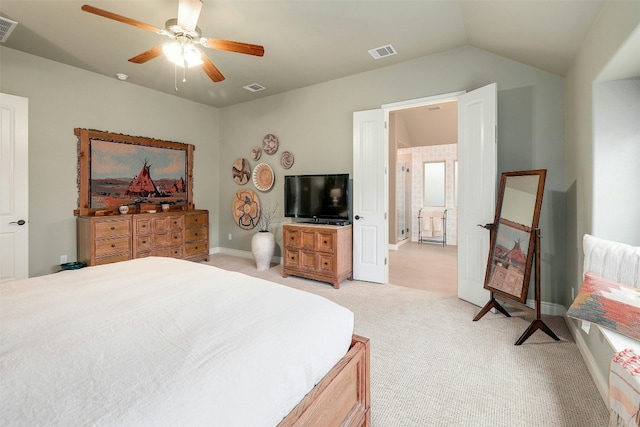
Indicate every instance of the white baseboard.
{"type": "Point", "coordinates": [240, 253]}
{"type": "Point", "coordinates": [548, 308]}
{"type": "Point", "coordinates": [601, 383]}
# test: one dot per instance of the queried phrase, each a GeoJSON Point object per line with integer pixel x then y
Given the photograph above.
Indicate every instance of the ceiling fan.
{"type": "Point", "coordinates": [185, 34]}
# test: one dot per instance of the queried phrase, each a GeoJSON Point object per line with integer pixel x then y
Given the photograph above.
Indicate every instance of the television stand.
{"type": "Point", "coordinates": [318, 251]}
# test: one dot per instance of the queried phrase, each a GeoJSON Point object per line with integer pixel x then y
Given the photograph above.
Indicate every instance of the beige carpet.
{"type": "Point", "coordinates": [431, 365]}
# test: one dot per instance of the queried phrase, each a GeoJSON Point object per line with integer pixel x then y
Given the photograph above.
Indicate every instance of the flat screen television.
{"type": "Point", "coordinates": [318, 198]}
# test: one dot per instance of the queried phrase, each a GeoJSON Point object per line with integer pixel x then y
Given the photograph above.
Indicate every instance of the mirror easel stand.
{"type": "Point", "coordinates": [537, 323]}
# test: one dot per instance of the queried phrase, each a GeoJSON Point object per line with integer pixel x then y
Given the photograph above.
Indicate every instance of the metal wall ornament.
{"type": "Point", "coordinates": [263, 177]}
{"type": "Point", "coordinates": [286, 159]}
{"type": "Point", "coordinates": [270, 144]}
{"type": "Point", "coordinates": [241, 171]}
{"type": "Point", "coordinates": [246, 209]}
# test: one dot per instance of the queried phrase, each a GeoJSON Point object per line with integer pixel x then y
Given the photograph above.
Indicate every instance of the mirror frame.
{"type": "Point", "coordinates": [498, 284]}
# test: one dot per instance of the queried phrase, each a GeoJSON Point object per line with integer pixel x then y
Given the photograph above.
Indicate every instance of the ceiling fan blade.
{"type": "Point", "coordinates": [211, 70]}
{"type": "Point", "coordinates": [147, 56]}
{"type": "Point", "coordinates": [120, 18]}
{"type": "Point", "coordinates": [249, 49]}
{"type": "Point", "coordinates": [188, 13]}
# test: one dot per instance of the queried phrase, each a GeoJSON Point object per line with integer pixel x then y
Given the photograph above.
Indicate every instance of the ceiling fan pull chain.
{"type": "Point", "coordinates": [175, 77]}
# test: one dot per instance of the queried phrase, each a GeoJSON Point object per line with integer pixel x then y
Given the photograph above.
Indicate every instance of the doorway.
{"type": "Point", "coordinates": [419, 136]}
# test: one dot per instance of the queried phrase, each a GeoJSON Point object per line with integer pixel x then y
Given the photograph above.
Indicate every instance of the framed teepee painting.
{"type": "Point", "coordinates": [118, 170]}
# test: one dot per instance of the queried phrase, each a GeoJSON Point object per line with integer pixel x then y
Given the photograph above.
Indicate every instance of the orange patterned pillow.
{"type": "Point", "coordinates": [608, 304]}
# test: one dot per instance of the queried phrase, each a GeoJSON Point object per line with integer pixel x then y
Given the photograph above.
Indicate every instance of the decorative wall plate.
{"type": "Point", "coordinates": [270, 143]}
{"type": "Point", "coordinates": [263, 177]}
{"type": "Point", "coordinates": [246, 209]}
{"type": "Point", "coordinates": [286, 159]}
{"type": "Point", "coordinates": [256, 152]}
{"type": "Point", "coordinates": [241, 171]}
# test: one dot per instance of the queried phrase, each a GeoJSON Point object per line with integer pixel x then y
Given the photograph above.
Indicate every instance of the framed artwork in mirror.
{"type": "Point", "coordinates": [513, 235]}
{"type": "Point", "coordinates": [119, 170]}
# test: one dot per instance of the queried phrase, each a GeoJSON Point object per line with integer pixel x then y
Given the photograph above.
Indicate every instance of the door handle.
{"type": "Point", "coordinates": [358, 217]}
{"type": "Point", "coordinates": [19, 222]}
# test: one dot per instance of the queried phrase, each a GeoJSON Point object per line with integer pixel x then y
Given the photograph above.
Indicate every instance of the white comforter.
{"type": "Point", "coordinates": [159, 341]}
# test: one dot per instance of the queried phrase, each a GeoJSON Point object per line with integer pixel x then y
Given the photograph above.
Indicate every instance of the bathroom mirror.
{"type": "Point", "coordinates": [513, 233]}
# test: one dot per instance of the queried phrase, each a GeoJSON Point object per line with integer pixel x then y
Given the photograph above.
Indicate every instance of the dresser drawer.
{"type": "Point", "coordinates": [111, 228]}
{"type": "Point", "coordinates": [292, 238]}
{"type": "Point", "coordinates": [142, 226]}
{"type": "Point", "coordinates": [197, 219]}
{"type": "Point", "coordinates": [325, 242]}
{"type": "Point", "coordinates": [177, 238]}
{"type": "Point", "coordinates": [142, 243]}
{"type": "Point", "coordinates": [110, 259]}
{"type": "Point", "coordinates": [326, 263]}
{"type": "Point", "coordinates": [195, 248]}
{"type": "Point", "coordinates": [192, 234]}
{"type": "Point", "coordinates": [113, 246]}
{"type": "Point", "coordinates": [176, 223]}
{"type": "Point", "coordinates": [291, 258]}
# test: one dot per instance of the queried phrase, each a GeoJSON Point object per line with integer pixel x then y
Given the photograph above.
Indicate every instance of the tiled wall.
{"type": "Point", "coordinates": [434, 153]}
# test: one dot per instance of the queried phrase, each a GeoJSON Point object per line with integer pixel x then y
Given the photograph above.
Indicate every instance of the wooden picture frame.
{"type": "Point", "coordinates": [513, 234]}
{"type": "Point", "coordinates": [116, 170]}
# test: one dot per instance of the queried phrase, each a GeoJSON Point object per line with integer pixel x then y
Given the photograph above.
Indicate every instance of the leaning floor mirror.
{"type": "Point", "coordinates": [513, 238]}
{"type": "Point", "coordinates": [515, 246]}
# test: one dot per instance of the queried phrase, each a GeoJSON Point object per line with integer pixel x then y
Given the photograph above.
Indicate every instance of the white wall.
{"type": "Point", "coordinates": [62, 98]}
{"type": "Point", "coordinates": [616, 160]}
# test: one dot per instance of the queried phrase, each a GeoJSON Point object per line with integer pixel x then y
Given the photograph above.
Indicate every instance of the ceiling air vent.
{"type": "Point", "coordinates": [383, 51]}
{"type": "Point", "coordinates": [6, 27]}
{"type": "Point", "coordinates": [254, 87]}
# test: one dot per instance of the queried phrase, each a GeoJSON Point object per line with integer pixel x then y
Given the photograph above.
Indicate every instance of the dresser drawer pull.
{"type": "Point", "coordinates": [325, 242]}
{"type": "Point", "coordinates": [144, 225]}
{"type": "Point", "coordinates": [112, 227]}
{"type": "Point", "coordinates": [175, 237]}
{"type": "Point", "coordinates": [113, 245]}
{"type": "Point", "coordinates": [195, 234]}
{"type": "Point", "coordinates": [144, 241]}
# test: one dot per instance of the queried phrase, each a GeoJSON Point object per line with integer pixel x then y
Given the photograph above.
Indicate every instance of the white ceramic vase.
{"type": "Point", "coordinates": [262, 245]}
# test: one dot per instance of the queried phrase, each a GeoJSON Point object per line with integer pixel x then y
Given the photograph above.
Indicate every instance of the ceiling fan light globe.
{"type": "Point", "coordinates": [174, 53]}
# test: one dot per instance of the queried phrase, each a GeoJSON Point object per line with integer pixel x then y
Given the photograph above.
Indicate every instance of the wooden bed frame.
{"type": "Point", "coordinates": [342, 397]}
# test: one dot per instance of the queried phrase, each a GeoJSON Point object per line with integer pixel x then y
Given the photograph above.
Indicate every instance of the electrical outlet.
{"type": "Point", "coordinates": [63, 259]}
{"type": "Point", "coordinates": [229, 236]}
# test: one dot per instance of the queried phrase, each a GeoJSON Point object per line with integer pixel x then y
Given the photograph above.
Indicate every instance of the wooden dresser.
{"type": "Point", "coordinates": [319, 252]}
{"type": "Point", "coordinates": [179, 234]}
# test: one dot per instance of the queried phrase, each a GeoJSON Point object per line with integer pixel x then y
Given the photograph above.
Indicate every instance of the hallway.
{"type": "Point", "coordinates": [425, 266]}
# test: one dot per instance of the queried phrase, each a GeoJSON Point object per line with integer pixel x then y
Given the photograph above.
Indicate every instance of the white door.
{"type": "Point", "coordinates": [14, 188]}
{"type": "Point", "coordinates": [477, 174]}
{"type": "Point", "coordinates": [370, 201]}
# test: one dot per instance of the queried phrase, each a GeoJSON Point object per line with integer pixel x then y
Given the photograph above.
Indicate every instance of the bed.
{"type": "Point", "coordinates": [160, 341]}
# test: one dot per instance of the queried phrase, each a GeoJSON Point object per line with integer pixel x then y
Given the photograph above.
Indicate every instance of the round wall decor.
{"type": "Point", "coordinates": [270, 143]}
{"type": "Point", "coordinates": [286, 159]}
{"type": "Point", "coordinates": [241, 171]}
{"type": "Point", "coordinates": [263, 177]}
{"type": "Point", "coordinates": [256, 152]}
{"type": "Point", "coordinates": [246, 209]}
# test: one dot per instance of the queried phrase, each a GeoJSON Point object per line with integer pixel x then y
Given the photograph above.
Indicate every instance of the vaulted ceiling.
{"type": "Point", "coordinates": [306, 41]}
